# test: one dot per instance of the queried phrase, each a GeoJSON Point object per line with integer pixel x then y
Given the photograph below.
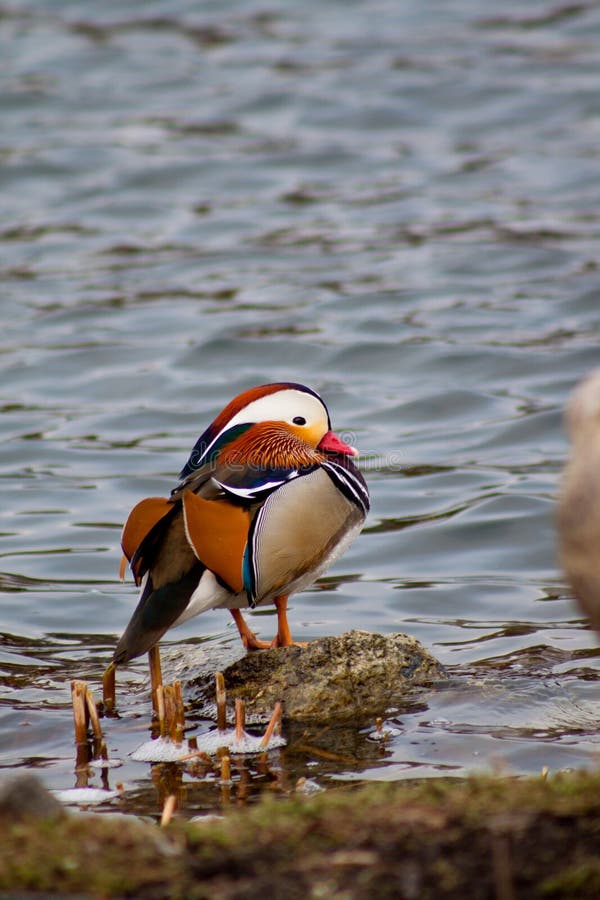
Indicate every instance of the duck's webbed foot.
{"type": "Point", "coordinates": [249, 639]}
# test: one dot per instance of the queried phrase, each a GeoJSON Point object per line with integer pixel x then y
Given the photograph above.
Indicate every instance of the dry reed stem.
{"type": "Point", "coordinates": [160, 709]}
{"type": "Point", "coordinates": [168, 809]}
{"type": "Point", "coordinates": [179, 709]}
{"type": "Point", "coordinates": [275, 720]}
{"type": "Point", "coordinates": [109, 687]}
{"type": "Point", "coordinates": [225, 769]}
{"type": "Point", "coordinates": [196, 754]}
{"type": "Point", "coordinates": [80, 710]}
{"type": "Point", "coordinates": [93, 714]}
{"type": "Point", "coordinates": [155, 675]}
{"type": "Point", "coordinates": [179, 724]}
{"type": "Point", "coordinates": [169, 699]}
{"type": "Point", "coordinates": [221, 701]}
{"type": "Point", "coordinates": [240, 719]}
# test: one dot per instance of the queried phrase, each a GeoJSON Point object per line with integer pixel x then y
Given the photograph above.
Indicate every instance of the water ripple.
{"type": "Point", "coordinates": [397, 210]}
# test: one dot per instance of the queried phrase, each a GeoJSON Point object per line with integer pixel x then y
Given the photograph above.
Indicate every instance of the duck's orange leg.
{"type": "Point", "coordinates": [283, 637]}
{"type": "Point", "coordinates": [249, 639]}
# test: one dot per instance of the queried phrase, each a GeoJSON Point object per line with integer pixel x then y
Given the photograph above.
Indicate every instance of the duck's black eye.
{"type": "Point", "coordinates": [299, 420]}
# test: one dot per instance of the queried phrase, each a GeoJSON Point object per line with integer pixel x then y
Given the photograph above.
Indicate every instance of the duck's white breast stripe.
{"type": "Point", "coordinates": [348, 484]}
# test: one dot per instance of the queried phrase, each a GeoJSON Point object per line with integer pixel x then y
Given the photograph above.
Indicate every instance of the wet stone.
{"type": "Point", "coordinates": [25, 797]}
{"type": "Point", "coordinates": [346, 678]}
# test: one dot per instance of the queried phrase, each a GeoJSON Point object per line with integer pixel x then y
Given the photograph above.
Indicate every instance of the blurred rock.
{"type": "Point", "coordinates": [351, 677]}
{"type": "Point", "coordinates": [578, 517]}
{"type": "Point", "coordinates": [25, 797]}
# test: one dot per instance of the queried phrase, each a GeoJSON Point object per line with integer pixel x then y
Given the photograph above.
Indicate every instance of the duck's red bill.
{"type": "Point", "coordinates": [334, 444]}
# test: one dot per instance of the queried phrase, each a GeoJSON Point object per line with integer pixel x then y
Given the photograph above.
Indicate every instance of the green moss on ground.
{"type": "Point", "coordinates": [486, 837]}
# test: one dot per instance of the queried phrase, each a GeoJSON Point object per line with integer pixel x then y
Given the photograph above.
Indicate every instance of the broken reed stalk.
{"type": "Point", "coordinates": [225, 769]}
{"type": "Point", "coordinates": [378, 725]}
{"type": "Point", "coordinates": [225, 780]}
{"type": "Point", "coordinates": [169, 700]}
{"type": "Point", "coordinates": [109, 687]}
{"type": "Point", "coordinates": [221, 702]}
{"type": "Point", "coordinates": [155, 675]}
{"type": "Point", "coordinates": [274, 722]}
{"type": "Point", "coordinates": [174, 721]}
{"type": "Point", "coordinates": [179, 724]}
{"type": "Point", "coordinates": [195, 754]}
{"type": "Point", "coordinates": [80, 710]}
{"type": "Point", "coordinates": [93, 714]}
{"type": "Point", "coordinates": [160, 708]}
{"type": "Point", "coordinates": [240, 719]}
{"type": "Point", "coordinates": [168, 809]}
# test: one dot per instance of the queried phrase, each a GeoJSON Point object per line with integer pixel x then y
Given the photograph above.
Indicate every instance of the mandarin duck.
{"type": "Point", "coordinates": [578, 513]}
{"type": "Point", "coordinates": [267, 500]}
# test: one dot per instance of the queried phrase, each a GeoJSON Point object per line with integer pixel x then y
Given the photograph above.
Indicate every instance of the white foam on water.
{"type": "Point", "coordinates": [249, 743]}
{"type": "Point", "coordinates": [386, 733]}
{"type": "Point", "coordinates": [166, 750]}
{"type": "Point", "coordinates": [85, 796]}
{"type": "Point", "coordinates": [308, 786]}
{"type": "Point", "coordinates": [105, 763]}
{"type": "Point", "coordinates": [161, 750]}
{"type": "Point", "coordinates": [206, 819]}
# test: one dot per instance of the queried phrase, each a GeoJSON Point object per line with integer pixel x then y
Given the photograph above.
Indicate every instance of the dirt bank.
{"type": "Point", "coordinates": [489, 837]}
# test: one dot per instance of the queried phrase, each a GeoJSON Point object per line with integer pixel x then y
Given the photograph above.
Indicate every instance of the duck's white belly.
{"type": "Point", "coordinates": [209, 594]}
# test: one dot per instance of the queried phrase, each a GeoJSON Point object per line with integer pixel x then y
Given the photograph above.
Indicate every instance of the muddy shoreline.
{"type": "Point", "coordinates": [497, 837]}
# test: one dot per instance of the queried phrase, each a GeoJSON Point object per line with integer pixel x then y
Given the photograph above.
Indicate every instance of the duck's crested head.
{"type": "Point", "coordinates": [297, 408]}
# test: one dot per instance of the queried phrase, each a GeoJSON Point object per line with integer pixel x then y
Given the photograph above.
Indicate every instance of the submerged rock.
{"type": "Point", "coordinates": [349, 677]}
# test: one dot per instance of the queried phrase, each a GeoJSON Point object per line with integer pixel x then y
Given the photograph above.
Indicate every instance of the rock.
{"type": "Point", "coordinates": [25, 797]}
{"type": "Point", "coordinates": [351, 677]}
{"type": "Point", "coordinates": [188, 662]}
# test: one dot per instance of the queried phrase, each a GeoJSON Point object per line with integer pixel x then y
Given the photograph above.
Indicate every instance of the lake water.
{"type": "Point", "coordinates": [394, 203]}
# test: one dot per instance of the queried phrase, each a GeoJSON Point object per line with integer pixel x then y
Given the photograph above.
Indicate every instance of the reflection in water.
{"type": "Point", "coordinates": [216, 780]}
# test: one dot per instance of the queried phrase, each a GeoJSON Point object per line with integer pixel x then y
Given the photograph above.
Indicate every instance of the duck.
{"type": "Point", "coordinates": [578, 507]}
{"type": "Point", "coordinates": [269, 497]}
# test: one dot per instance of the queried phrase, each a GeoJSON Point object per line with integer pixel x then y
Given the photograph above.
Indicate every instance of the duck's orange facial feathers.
{"type": "Point", "coordinates": [270, 445]}
{"type": "Point", "coordinates": [297, 407]}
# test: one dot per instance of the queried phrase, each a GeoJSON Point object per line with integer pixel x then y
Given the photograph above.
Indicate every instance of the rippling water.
{"type": "Point", "coordinates": [393, 203]}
